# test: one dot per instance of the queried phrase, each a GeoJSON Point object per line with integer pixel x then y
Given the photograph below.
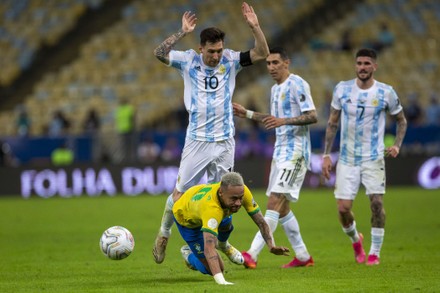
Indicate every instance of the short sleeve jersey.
{"type": "Point", "coordinates": [199, 207]}
{"type": "Point", "coordinates": [208, 93]}
{"type": "Point", "coordinates": [290, 99]}
{"type": "Point", "coordinates": [363, 115]}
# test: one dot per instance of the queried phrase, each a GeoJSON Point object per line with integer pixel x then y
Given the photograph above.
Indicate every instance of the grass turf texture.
{"type": "Point", "coordinates": [51, 245]}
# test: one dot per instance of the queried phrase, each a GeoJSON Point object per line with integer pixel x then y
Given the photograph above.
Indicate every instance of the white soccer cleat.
{"type": "Point", "coordinates": [233, 254]}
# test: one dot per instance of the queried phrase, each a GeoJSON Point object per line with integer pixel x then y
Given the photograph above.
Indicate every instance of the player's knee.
{"type": "Point", "coordinates": [376, 206]}
{"type": "Point", "coordinates": [344, 209]}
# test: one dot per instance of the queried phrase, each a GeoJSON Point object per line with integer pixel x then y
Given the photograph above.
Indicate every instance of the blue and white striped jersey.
{"type": "Point", "coordinates": [363, 115]}
{"type": "Point", "coordinates": [208, 93]}
{"type": "Point", "coordinates": [290, 99]}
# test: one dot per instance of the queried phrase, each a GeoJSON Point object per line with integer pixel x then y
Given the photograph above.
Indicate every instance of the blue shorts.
{"type": "Point", "coordinates": [194, 236]}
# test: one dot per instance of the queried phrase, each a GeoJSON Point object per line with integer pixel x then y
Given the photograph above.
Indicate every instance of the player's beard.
{"type": "Point", "coordinates": [364, 79]}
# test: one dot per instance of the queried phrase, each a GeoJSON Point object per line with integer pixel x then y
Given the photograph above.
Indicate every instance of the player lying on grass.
{"type": "Point", "coordinates": [204, 218]}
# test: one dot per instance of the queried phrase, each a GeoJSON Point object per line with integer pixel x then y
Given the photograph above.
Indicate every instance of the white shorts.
{"type": "Point", "coordinates": [348, 179]}
{"type": "Point", "coordinates": [287, 178]}
{"type": "Point", "coordinates": [198, 157]}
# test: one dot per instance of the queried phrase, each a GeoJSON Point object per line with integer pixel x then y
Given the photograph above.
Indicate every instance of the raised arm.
{"type": "Point", "coordinates": [401, 125]}
{"type": "Point", "coordinates": [261, 49]}
{"type": "Point", "coordinates": [330, 134]}
{"type": "Point", "coordinates": [188, 24]}
{"type": "Point", "coordinates": [267, 235]}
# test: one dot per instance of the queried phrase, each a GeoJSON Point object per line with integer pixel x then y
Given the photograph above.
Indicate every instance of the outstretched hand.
{"type": "Point", "coordinates": [272, 122]}
{"type": "Point", "coordinates": [249, 15]}
{"type": "Point", "coordinates": [239, 110]}
{"type": "Point", "coordinates": [188, 22]}
{"type": "Point", "coordinates": [280, 250]}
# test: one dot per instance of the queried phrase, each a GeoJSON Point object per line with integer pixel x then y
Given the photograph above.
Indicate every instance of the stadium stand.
{"type": "Point", "coordinates": [27, 25]}
{"type": "Point", "coordinates": [119, 63]}
{"type": "Point", "coordinates": [411, 64]}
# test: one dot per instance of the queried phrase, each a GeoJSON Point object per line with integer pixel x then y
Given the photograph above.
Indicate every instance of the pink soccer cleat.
{"type": "Point", "coordinates": [359, 253]}
{"type": "Point", "coordinates": [249, 262]}
{"type": "Point", "coordinates": [298, 263]}
{"type": "Point", "coordinates": [373, 260]}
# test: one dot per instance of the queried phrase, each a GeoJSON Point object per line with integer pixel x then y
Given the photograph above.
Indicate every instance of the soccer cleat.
{"type": "Point", "coordinates": [233, 254]}
{"type": "Point", "coordinates": [159, 248]}
{"type": "Point", "coordinates": [295, 263]}
{"type": "Point", "coordinates": [373, 260]}
{"type": "Point", "coordinates": [186, 251]}
{"type": "Point", "coordinates": [359, 253]}
{"type": "Point", "coordinates": [249, 262]}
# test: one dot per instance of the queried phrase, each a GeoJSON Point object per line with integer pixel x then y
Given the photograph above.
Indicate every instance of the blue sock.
{"type": "Point", "coordinates": [225, 229]}
{"type": "Point", "coordinates": [195, 262]}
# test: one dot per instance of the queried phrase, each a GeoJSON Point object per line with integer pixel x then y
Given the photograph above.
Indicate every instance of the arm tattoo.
{"type": "Point", "coordinates": [259, 116]}
{"type": "Point", "coordinates": [208, 240]}
{"type": "Point", "coordinates": [267, 235]}
{"type": "Point", "coordinates": [308, 117]}
{"type": "Point", "coordinates": [332, 128]}
{"type": "Point", "coordinates": [162, 51]}
{"type": "Point", "coordinates": [400, 129]}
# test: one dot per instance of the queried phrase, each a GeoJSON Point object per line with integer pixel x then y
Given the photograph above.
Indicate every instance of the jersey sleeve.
{"type": "Point", "coordinates": [305, 97]}
{"type": "Point", "coordinates": [234, 57]}
{"type": "Point", "coordinates": [249, 204]}
{"type": "Point", "coordinates": [178, 59]}
{"type": "Point", "coordinates": [336, 101]}
{"type": "Point", "coordinates": [394, 106]}
{"type": "Point", "coordinates": [211, 219]}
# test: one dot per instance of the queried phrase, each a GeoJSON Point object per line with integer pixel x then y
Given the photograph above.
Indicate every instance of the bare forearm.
{"type": "Point", "coordinates": [332, 129]}
{"type": "Point", "coordinates": [267, 235]}
{"type": "Point", "coordinates": [330, 134]}
{"type": "Point", "coordinates": [304, 119]}
{"type": "Point", "coordinates": [261, 49]}
{"type": "Point", "coordinates": [257, 116]}
{"type": "Point", "coordinates": [264, 229]}
{"type": "Point", "coordinates": [211, 254]}
{"type": "Point", "coordinates": [162, 51]}
{"type": "Point", "coordinates": [401, 126]}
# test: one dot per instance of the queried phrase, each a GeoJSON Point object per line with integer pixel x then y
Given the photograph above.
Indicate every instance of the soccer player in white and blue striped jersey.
{"type": "Point", "coordinates": [209, 83]}
{"type": "Point", "coordinates": [361, 105]}
{"type": "Point", "coordinates": [292, 110]}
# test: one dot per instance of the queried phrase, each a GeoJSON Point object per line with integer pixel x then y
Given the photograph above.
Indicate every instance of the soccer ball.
{"type": "Point", "coordinates": [117, 242]}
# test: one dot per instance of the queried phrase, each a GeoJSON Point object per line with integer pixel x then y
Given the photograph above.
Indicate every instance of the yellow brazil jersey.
{"type": "Point", "coordinates": [199, 207]}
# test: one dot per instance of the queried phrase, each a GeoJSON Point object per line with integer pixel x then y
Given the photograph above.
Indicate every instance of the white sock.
{"type": "Point", "coordinates": [377, 235]}
{"type": "Point", "coordinates": [291, 228]}
{"type": "Point", "coordinates": [352, 232]}
{"type": "Point", "coordinates": [271, 218]}
{"type": "Point", "coordinates": [167, 218]}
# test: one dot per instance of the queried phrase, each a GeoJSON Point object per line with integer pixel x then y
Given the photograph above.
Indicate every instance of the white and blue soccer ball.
{"type": "Point", "coordinates": [117, 243]}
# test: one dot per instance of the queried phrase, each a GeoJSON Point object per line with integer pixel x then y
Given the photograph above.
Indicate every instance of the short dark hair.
{"type": "Point", "coordinates": [212, 35]}
{"type": "Point", "coordinates": [366, 52]}
{"type": "Point", "coordinates": [281, 51]}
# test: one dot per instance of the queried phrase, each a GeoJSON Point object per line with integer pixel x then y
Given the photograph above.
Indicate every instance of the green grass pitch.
{"type": "Point", "coordinates": [51, 245]}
